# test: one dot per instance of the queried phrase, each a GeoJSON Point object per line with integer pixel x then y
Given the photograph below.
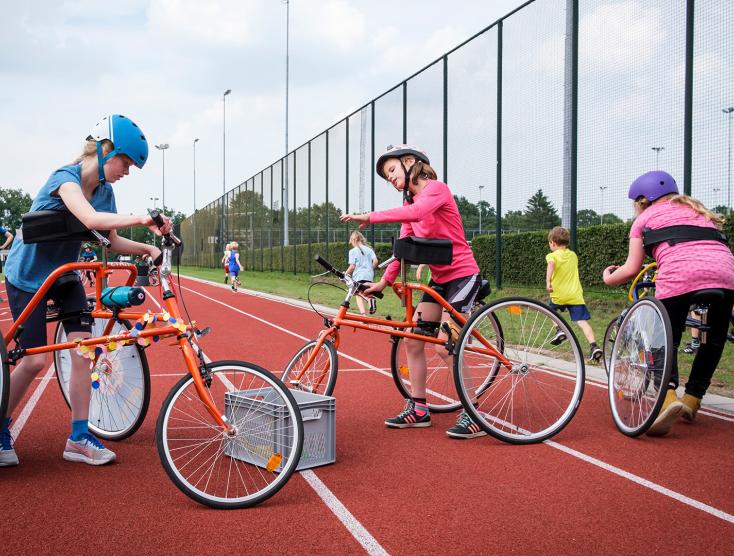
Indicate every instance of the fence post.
{"type": "Point", "coordinates": [498, 218]}
{"type": "Point", "coordinates": [688, 107]}
{"type": "Point", "coordinates": [570, 124]}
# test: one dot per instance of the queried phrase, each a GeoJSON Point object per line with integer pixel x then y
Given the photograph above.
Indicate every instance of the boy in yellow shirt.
{"type": "Point", "coordinates": [563, 284]}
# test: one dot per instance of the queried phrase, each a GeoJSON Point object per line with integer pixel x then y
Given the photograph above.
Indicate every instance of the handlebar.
{"type": "Point", "coordinates": [158, 221]}
{"type": "Point", "coordinates": [343, 277]}
{"type": "Point", "coordinates": [383, 264]}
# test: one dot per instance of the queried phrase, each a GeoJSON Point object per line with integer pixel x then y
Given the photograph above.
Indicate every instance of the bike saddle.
{"type": "Point", "coordinates": [708, 296]}
{"type": "Point", "coordinates": [484, 290]}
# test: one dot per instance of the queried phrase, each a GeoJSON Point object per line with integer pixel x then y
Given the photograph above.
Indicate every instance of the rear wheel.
{"type": "Point", "coordinates": [237, 468]}
{"type": "Point", "coordinates": [609, 336]}
{"type": "Point", "coordinates": [117, 407]}
{"type": "Point", "coordinates": [518, 386]}
{"type": "Point", "coordinates": [640, 366]}
{"type": "Point", "coordinates": [4, 380]}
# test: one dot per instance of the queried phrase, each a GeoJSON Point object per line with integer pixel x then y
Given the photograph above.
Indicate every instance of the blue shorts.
{"type": "Point", "coordinates": [577, 312]}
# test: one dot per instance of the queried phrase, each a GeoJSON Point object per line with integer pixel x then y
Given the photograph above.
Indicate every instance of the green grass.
{"type": "Point", "coordinates": [603, 306]}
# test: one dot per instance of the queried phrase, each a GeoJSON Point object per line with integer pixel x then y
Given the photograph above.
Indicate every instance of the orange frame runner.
{"type": "Point", "coordinates": [102, 271]}
{"type": "Point", "coordinates": [394, 328]}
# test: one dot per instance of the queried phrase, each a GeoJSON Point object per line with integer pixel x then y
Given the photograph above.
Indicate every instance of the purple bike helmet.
{"type": "Point", "coordinates": [653, 185]}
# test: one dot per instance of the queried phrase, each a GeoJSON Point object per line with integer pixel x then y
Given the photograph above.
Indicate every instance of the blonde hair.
{"type": "Point", "coordinates": [560, 236]}
{"type": "Point", "coordinates": [641, 203]}
{"type": "Point", "coordinates": [358, 237]}
{"type": "Point", "coordinates": [233, 245]}
{"type": "Point", "coordinates": [90, 150]}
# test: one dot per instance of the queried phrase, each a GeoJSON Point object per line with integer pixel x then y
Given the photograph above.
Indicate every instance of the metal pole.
{"type": "Point", "coordinates": [657, 156]}
{"type": "Point", "coordinates": [287, 68]}
{"type": "Point", "coordinates": [224, 161]}
{"type": "Point", "coordinates": [601, 216]}
{"type": "Point", "coordinates": [193, 213]}
{"type": "Point", "coordinates": [480, 209]}
{"type": "Point", "coordinates": [728, 111]}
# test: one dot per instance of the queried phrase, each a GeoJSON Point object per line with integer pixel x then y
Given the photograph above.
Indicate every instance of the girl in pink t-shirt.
{"type": "Point", "coordinates": [429, 210]}
{"type": "Point", "coordinates": [684, 267]}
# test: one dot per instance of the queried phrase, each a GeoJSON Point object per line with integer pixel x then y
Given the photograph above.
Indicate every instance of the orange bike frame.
{"type": "Point", "coordinates": [395, 328]}
{"type": "Point", "coordinates": [102, 271]}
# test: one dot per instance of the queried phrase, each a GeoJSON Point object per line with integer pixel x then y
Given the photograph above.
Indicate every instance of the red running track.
{"type": "Point", "coordinates": [589, 490]}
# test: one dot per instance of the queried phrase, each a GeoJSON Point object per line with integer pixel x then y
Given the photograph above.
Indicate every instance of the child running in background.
{"type": "Point", "coordinates": [664, 224]}
{"type": "Point", "coordinates": [234, 265]}
{"type": "Point", "coordinates": [362, 264]}
{"type": "Point", "coordinates": [563, 284]}
{"type": "Point", "coordinates": [225, 262]}
{"type": "Point", "coordinates": [89, 256]}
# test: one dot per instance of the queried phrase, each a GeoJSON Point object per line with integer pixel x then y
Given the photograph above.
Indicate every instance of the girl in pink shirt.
{"type": "Point", "coordinates": [428, 211]}
{"type": "Point", "coordinates": [684, 267]}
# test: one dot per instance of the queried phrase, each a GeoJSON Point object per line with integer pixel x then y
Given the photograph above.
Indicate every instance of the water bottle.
{"type": "Point", "coordinates": [121, 297]}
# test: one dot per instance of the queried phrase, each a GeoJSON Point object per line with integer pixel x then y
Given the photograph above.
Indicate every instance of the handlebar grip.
{"type": "Point", "coordinates": [378, 295]}
{"type": "Point", "coordinates": [157, 218]}
{"type": "Point", "coordinates": [328, 266]}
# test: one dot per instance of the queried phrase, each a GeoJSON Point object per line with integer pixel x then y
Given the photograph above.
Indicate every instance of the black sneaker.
{"type": "Point", "coordinates": [409, 418]}
{"type": "Point", "coordinates": [373, 305]}
{"type": "Point", "coordinates": [558, 338]}
{"type": "Point", "coordinates": [595, 353]}
{"type": "Point", "coordinates": [691, 347]}
{"type": "Point", "coordinates": [226, 279]}
{"type": "Point", "coordinates": [465, 427]}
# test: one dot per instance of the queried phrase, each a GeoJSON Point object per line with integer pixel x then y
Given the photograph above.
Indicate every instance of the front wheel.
{"type": "Point", "coordinates": [318, 377]}
{"type": "Point", "coordinates": [237, 468]}
{"type": "Point", "coordinates": [119, 403]}
{"type": "Point", "coordinates": [525, 385]}
{"type": "Point", "coordinates": [640, 366]}
{"type": "Point", "coordinates": [610, 334]}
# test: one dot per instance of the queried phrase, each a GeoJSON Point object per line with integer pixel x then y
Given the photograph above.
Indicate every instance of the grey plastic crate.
{"type": "Point", "coordinates": [268, 423]}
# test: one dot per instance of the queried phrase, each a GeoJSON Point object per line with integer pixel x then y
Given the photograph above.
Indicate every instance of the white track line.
{"type": "Point", "coordinates": [584, 457]}
{"type": "Point", "coordinates": [31, 404]}
{"type": "Point", "coordinates": [363, 537]}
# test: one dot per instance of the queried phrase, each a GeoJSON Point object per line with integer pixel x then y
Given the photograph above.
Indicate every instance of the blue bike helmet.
{"type": "Point", "coordinates": [126, 137]}
{"type": "Point", "coordinates": [653, 185]}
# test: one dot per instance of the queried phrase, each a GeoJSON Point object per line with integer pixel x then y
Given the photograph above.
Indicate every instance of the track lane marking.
{"type": "Point", "coordinates": [570, 451]}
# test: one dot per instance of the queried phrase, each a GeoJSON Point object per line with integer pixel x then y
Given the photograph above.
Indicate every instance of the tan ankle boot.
{"type": "Point", "coordinates": [669, 413]}
{"type": "Point", "coordinates": [691, 405]}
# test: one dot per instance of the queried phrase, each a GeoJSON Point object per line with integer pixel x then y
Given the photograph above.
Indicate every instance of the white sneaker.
{"type": "Point", "coordinates": [88, 450]}
{"type": "Point", "coordinates": [8, 457]}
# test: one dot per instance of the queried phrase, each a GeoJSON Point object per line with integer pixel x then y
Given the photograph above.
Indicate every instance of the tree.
{"type": "Point", "coordinates": [470, 213]}
{"type": "Point", "coordinates": [540, 214]}
{"type": "Point", "coordinates": [587, 217]}
{"type": "Point", "coordinates": [514, 221]}
{"type": "Point", "coordinates": [13, 203]}
{"type": "Point", "coordinates": [611, 218]}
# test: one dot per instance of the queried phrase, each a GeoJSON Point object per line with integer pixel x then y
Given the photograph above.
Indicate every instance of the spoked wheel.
{"type": "Point", "coordinates": [234, 469]}
{"type": "Point", "coordinates": [118, 406]}
{"type": "Point", "coordinates": [320, 376]}
{"type": "Point", "coordinates": [441, 394]}
{"type": "Point", "coordinates": [4, 380]}
{"type": "Point", "coordinates": [610, 335]}
{"type": "Point", "coordinates": [531, 389]}
{"type": "Point", "coordinates": [640, 366]}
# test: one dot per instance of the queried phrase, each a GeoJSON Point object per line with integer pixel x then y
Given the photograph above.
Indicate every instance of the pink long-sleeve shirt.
{"type": "Point", "coordinates": [434, 215]}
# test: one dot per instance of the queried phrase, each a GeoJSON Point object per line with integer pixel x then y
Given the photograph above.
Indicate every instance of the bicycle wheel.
{"type": "Point", "coordinates": [536, 392]}
{"type": "Point", "coordinates": [639, 371]}
{"type": "Point", "coordinates": [441, 395]}
{"type": "Point", "coordinates": [4, 380]}
{"type": "Point", "coordinates": [238, 470]}
{"type": "Point", "coordinates": [118, 406]}
{"type": "Point", "coordinates": [609, 335]}
{"type": "Point", "coordinates": [320, 376]}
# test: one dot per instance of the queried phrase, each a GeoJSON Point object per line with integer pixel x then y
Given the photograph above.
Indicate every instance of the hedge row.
{"type": "Point", "coordinates": [523, 254]}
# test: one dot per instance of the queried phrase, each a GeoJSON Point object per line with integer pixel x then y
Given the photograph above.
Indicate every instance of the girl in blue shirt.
{"type": "Point", "coordinates": [83, 188]}
{"type": "Point", "coordinates": [362, 264]}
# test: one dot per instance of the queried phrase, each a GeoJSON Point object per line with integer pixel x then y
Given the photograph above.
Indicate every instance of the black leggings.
{"type": "Point", "coordinates": [708, 355]}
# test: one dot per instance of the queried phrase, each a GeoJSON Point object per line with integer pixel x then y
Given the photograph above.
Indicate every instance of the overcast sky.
{"type": "Point", "coordinates": [166, 63]}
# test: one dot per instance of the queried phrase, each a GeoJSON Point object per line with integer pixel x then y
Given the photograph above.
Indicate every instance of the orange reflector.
{"type": "Point", "coordinates": [620, 394]}
{"type": "Point", "coordinates": [514, 310]}
{"type": "Point", "coordinates": [274, 462]}
{"type": "Point", "coordinates": [404, 370]}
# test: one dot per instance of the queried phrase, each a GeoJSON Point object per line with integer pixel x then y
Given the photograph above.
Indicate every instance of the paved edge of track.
{"type": "Point", "coordinates": [570, 451]}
